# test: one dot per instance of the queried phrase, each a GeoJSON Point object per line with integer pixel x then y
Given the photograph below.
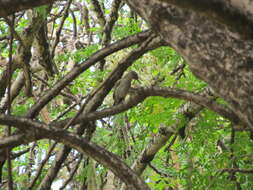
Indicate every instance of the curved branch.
{"type": "Point", "coordinates": [140, 94]}
{"type": "Point", "coordinates": [13, 140]}
{"type": "Point", "coordinates": [98, 153]}
{"type": "Point", "coordinates": [191, 96]}
{"type": "Point", "coordinates": [76, 71]}
{"type": "Point", "coordinates": [103, 89]}
{"type": "Point", "coordinates": [195, 32]}
{"type": "Point", "coordinates": [8, 7]}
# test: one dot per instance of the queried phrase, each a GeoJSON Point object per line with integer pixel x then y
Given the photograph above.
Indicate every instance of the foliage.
{"type": "Point", "coordinates": [196, 162]}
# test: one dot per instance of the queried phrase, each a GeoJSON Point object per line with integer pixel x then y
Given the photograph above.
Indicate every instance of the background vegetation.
{"type": "Point", "coordinates": [167, 130]}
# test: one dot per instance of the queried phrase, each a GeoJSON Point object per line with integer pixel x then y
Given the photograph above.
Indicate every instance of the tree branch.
{"type": "Point", "coordinates": [99, 154]}
{"type": "Point", "coordinates": [8, 7]}
{"type": "Point", "coordinates": [195, 34]}
{"type": "Point", "coordinates": [140, 94]}
{"type": "Point", "coordinates": [237, 170]}
{"type": "Point", "coordinates": [76, 71]}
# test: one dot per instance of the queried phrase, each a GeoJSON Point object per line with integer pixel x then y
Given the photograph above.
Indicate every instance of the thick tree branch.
{"type": "Point", "coordinates": [237, 170]}
{"type": "Point", "coordinates": [76, 71]}
{"type": "Point", "coordinates": [83, 146]}
{"type": "Point", "coordinates": [13, 141]}
{"type": "Point", "coordinates": [8, 7]}
{"type": "Point", "coordinates": [224, 12]}
{"type": "Point", "coordinates": [226, 66]}
{"type": "Point", "coordinates": [93, 101]}
{"type": "Point", "coordinates": [140, 94]}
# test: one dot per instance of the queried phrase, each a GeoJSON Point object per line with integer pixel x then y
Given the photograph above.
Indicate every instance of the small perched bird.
{"type": "Point", "coordinates": [122, 87]}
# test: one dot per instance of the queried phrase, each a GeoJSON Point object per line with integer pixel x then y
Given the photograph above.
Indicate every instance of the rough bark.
{"type": "Point", "coordinates": [196, 29]}
{"type": "Point", "coordinates": [216, 43]}
{"type": "Point", "coordinates": [35, 109]}
{"type": "Point", "coordinates": [215, 38]}
{"type": "Point", "coordinates": [99, 154]}
{"type": "Point", "coordinates": [139, 96]}
{"type": "Point", "coordinates": [91, 105]}
{"type": "Point", "coordinates": [8, 7]}
{"type": "Point", "coordinates": [188, 110]}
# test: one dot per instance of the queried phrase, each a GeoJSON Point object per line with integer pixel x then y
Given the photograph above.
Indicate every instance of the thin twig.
{"type": "Point", "coordinates": [74, 24]}
{"type": "Point", "coordinates": [58, 32]}
{"type": "Point", "coordinates": [41, 166]}
{"type": "Point", "coordinates": [13, 31]}
{"type": "Point", "coordinates": [65, 94]}
{"type": "Point", "coordinates": [72, 173]}
{"type": "Point", "coordinates": [171, 143]}
{"type": "Point", "coordinates": [158, 172]}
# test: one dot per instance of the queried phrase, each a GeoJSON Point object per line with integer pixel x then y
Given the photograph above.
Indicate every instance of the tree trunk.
{"type": "Point", "coordinates": [215, 38]}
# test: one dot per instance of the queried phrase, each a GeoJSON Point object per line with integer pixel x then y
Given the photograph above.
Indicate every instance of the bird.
{"type": "Point", "coordinates": [122, 87]}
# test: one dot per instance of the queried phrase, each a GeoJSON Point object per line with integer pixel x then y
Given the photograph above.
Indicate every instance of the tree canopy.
{"type": "Point", "coordinates": [134, 94]}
